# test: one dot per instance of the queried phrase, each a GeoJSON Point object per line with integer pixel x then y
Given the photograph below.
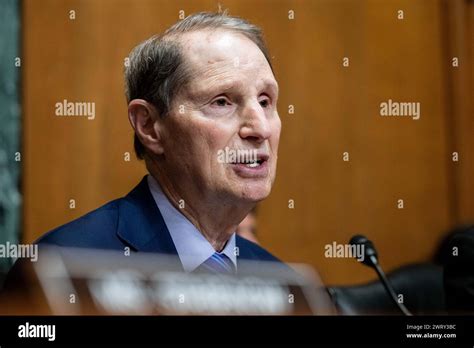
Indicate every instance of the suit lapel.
{"type": "Point", "coordinates": [245, 253]}
{"type": "Point", "coordinates": [141, 224]}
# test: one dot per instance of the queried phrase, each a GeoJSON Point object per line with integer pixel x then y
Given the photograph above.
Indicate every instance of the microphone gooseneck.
{"type": "Point", "coordinates": [371, 260]}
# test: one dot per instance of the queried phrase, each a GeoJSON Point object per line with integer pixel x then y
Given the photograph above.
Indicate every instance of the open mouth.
{"type": "Point", "coordinates": [252, 164]}
{"type": "Point", "coordinates": [252, 168]}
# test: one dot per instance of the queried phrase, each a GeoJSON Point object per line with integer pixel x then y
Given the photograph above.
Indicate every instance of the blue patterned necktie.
{"type": "Point", "coordinates": [217, 263]}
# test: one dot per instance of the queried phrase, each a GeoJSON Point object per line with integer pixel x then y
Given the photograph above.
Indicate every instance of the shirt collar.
{"type": "Point", "coordinates": [192, 247]}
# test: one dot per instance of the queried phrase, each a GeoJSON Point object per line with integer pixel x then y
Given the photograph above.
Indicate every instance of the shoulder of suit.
{"type": "Point", "coordinates": [256, 249]}
{"type": "Point", "coordinates": [93, 226]}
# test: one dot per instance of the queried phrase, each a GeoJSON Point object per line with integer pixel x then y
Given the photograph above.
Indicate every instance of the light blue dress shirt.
{"type": "Point", "coordinates": [192, 247]}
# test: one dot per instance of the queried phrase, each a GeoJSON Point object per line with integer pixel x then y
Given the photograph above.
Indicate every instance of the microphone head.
{"type": "Point", "coordinates": [370, 253]}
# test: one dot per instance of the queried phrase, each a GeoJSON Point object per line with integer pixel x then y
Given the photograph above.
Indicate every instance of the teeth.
{"type": "Point", "coordinates": [252, 165]}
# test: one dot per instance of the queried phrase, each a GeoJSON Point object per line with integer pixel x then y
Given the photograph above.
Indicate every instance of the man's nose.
{"type": "Point", "coordinates": [255, 125]}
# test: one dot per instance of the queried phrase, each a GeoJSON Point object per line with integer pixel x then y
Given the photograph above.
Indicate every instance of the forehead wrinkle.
{"type": "Point", "coordinates": [216, 69]}
{"type": "Point", "coordinates": [226, 78]}
{"type": "Point", "coordinates": [223, 65]}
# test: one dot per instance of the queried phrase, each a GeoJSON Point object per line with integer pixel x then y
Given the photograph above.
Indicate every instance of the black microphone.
{"type": "Point", "coordinates": [371, 260]}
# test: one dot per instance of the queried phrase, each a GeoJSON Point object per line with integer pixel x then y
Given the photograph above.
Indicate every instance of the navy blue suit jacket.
{"type": "Point", "coordinates": [134, 221]}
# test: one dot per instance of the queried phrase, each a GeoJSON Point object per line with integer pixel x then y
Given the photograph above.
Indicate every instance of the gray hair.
{"type": "Point", "coordinates": [157, 70]}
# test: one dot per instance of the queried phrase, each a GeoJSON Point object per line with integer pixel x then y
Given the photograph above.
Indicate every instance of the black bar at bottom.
{"type": "Point", "coordinates": [141, 330]}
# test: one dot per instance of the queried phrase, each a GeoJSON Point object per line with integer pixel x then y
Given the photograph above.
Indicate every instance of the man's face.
{"type": "Point", "coordinates": [230, 103]}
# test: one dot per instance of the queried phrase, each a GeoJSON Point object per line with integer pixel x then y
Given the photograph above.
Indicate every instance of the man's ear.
{"type": "Point", "coordinates": [144, 119]}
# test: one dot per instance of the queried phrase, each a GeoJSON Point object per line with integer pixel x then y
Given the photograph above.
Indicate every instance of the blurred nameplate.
{"type": "Point", "coordinates": [85, 281]}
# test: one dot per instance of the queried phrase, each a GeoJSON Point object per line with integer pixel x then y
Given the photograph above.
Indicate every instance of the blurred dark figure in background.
{"type": "Point", "coordinates": [444, 285]}
{"type": "Point", "coordinates": [248, 227]}
{"type": "Point", "coordinates": [458, 259]}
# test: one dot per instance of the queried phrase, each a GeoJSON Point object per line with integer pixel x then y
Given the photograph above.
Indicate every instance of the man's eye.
{"type": "Point", "coordinates": [220, 102]}
{"type": "Point", "coordinates": [264, 103]}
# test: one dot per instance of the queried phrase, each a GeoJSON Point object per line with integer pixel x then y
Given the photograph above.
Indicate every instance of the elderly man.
{"type": "Point", "coordinates": [203, 87]}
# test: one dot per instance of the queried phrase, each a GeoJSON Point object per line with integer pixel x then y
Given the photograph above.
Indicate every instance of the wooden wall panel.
{"type": "Point", "coordinates": [336, 110]}
{"type": "Point", "coordinates": [459, 43]}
